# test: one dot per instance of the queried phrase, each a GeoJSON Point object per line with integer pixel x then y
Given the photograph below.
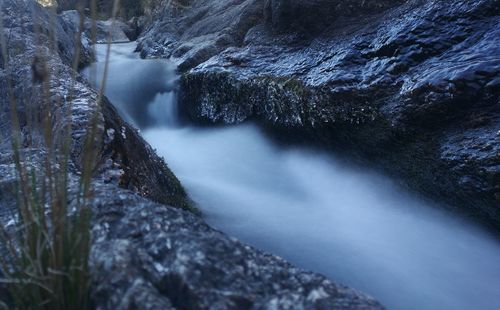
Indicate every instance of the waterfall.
{"type": "Point", "coordinates": [163, 110]}
{"type": "Point", "coordinates": [142, 90]}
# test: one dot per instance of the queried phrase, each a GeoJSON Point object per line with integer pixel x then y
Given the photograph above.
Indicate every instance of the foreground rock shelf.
{"type": "Point", "coordinates": [410, 86]}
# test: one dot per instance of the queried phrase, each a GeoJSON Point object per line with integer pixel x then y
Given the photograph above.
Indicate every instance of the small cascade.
{"type": "Point", "coordinates": [142, 90]}
{"type": "Point", "coordinates": [163, 110]}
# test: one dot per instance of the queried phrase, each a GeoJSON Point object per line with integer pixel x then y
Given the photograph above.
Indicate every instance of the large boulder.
{"type": "Point", "coordinates": [155, 257]}
{"type": "Point", "coordinates": [194, 34]}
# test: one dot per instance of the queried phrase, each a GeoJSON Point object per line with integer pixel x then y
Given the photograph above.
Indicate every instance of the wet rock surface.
{"type": "Point", "coordinates": [412, 86]}
{"type": "Point", "coordinates": [194, 34]}
{"type": "Point", "coordinates": [173, 259]}
{"type": "Point", "coordinates": [144, 254]}
{"type": "Point", "coordinates": [313, 16]}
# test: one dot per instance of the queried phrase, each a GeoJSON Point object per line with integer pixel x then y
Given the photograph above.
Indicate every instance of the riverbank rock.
{"type": "Point", "coordinates": [144, 253]}
{"type": "Point", "coordinates": [195, 33]}
{"type": "Point", "coordinates": [111, 30]}
{"type": "Point", "coordinates": [153, 256]}
{"type": "Point", "coordinates": [409, 86]}
{"type": "Point", "coordinates": [312, 17]}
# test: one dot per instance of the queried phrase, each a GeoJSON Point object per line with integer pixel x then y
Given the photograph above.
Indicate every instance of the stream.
{"type": "Point", "coordinates": [347, 222]}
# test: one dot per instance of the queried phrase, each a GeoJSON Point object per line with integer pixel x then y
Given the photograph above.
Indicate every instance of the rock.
{"type": "Point", "coordinates": [127, 8]}
{"type": "Point", "coordinates": [409, 86]}
{"type": "Point", "coordinates": [149, 174]}
{"type": "Point", "coordinates": [195, 34]}
{"type": "Point", "coordinates": [144, 171]}
{"type": "Point", "coordinates": [152, 256]}
{"type": "Point", "coordinates": [112, 30]}
{"type": "Point", "coordinates": [315, 15]}
{"type": "Point", "coordinates": [134, 28]}
{"type": "Point", "coordinates": [144, 254]}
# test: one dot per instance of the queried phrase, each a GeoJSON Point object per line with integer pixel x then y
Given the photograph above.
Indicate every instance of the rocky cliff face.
{"type": "Point", "coordinates": [411, 86]}
{"type": "Point", "coordinates": [144, 254]}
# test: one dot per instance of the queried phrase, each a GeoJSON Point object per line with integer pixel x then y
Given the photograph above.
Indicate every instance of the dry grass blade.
{"type": "Point", "coordinates": [46, 254]}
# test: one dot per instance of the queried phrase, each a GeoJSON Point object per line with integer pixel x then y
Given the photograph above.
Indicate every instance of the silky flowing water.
{"type": "Point", "coordinates": [320, 213]}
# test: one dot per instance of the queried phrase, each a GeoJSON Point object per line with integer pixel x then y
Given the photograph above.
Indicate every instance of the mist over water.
{"type": "Point", "coordinates": [346, 222]}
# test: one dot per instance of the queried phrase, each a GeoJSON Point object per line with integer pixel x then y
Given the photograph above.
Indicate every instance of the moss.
{"type": "Point", "coordinates": [213, 97]}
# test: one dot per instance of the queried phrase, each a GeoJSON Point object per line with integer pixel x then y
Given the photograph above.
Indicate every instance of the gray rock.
{"type": "Point", "coordinates": [112, 30]}
{"type": "Point", "coordinates": [134, 27]}
{"type": "Point", "coordinates": [409, 86]}
{"type": "Point", "coordinates": [144, 254]}
{"type": "Point", "coordinates": [316, 15]}
{"type": "Point", "coordinates": [152, 256]}
{"type": "Point", "coordinates": [195, 34]}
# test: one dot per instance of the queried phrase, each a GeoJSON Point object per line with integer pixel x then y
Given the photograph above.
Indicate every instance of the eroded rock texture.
{"type": "Point", "coordinates": [144, 254]}
{"type": "Point", "coordinates": [156, 257]}
{"type": "Point", "coordinates": [199, 30]}
{"type": "Point", "coordinates": [412, 86]}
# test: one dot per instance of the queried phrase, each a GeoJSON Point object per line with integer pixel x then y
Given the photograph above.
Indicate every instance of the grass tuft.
{"type": "Point", "coordinates": [44, 255]}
